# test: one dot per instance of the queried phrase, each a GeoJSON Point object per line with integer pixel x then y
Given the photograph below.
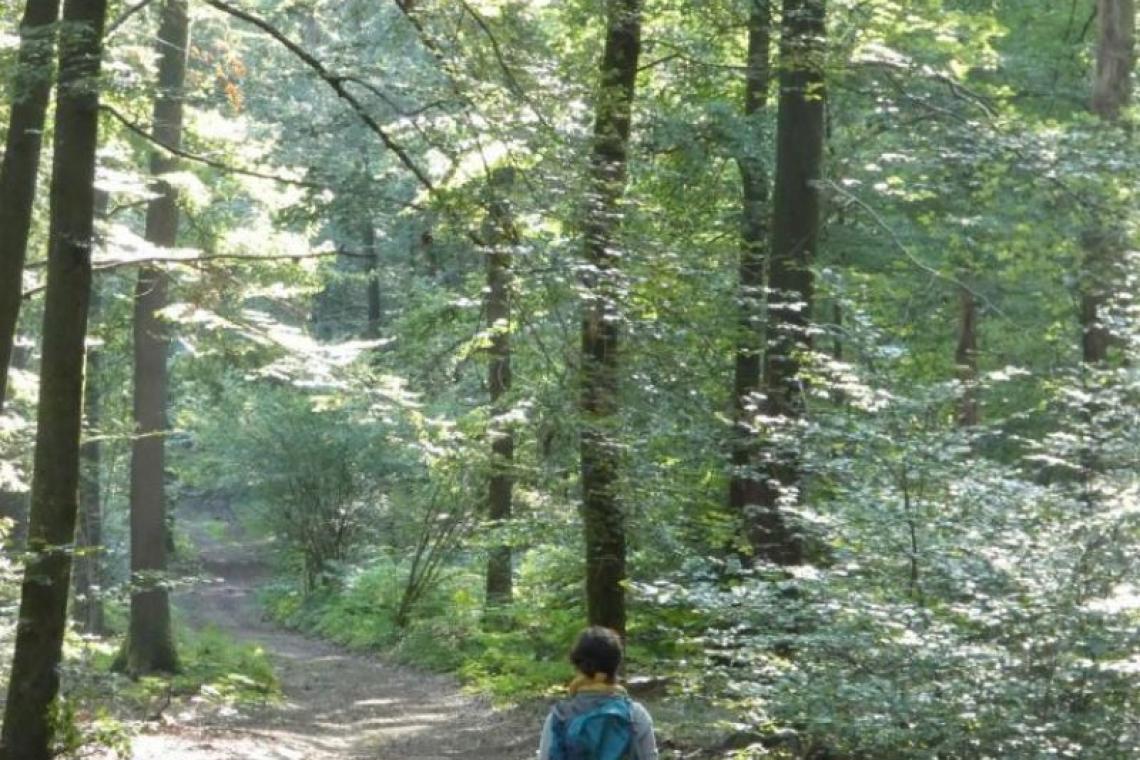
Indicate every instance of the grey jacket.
{"type": "Point", "coordinates": [644, 744]}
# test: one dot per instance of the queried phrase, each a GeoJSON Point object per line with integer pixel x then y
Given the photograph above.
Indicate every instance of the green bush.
{"type": "Point", "coordinates": [523, 655]}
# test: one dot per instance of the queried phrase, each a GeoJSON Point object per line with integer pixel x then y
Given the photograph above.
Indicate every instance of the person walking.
{"type": "Point", "coordinates": [598, 721]}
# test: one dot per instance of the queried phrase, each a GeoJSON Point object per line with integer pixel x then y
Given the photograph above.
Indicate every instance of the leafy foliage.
{"type": "Point", "coordinates": [971, 589]}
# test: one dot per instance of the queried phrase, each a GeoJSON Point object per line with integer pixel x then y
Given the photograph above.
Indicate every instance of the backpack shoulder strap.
{"type": "Point", "coordinates": [558, 721]}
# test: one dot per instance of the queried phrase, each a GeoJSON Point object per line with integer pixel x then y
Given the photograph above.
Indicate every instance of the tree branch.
{"type": "Point", "coordinates": [433, 47]}
{"type": "Point", "coordinates": [481, 22]}
{"type": "Point", "coordinates": [108, 265]}
{"type": "Point", "coordinates": [126, 122]}
{"type": "Point", "coordinates": [125, 17]}
{"type": "Point", "coordinates": [130, 125]}
{"type": "Point", "coordinates": [901, 246]}
{"type": "Point", "coordinates": [336, 83]}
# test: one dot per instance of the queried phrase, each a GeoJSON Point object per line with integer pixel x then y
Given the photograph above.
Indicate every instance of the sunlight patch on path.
{"type": "Point", "coordinates": [336, 705]}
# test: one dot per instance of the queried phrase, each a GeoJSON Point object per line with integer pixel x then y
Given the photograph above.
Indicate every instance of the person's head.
{"type": "Point", "coordinates": [597, 651]}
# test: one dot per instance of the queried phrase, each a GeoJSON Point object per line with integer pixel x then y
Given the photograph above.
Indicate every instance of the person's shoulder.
{"type": "Point", "coordinates": [638, 712]}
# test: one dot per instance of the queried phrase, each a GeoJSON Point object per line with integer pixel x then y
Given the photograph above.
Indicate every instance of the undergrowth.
{"type": "Point", "coordinates": [102, 708]}
{"type": "Point", "coordinates": [521, 656]}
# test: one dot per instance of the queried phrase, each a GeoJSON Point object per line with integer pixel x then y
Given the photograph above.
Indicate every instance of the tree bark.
{"type": "Point", "coordinates": [87, 609]}
{"type": "Point", "coordinates": [795, 233]}
{"type": "Point", "coordinates": [602, 512]}
{"type": "Point", "coordinates": [150, 641]}
{"type": "Point", "coordinates": [500, 235]}
{"type": "Point", "coordinates": [966, 357]}
{"type": "Point", "coordinates": [1112, 91]}
{"type": "Point", "coordinates": [745, 484]}
{"type": "Point", "coordinates": [34, 683]}
{"type": "Point", "coordinates": [1115, 57]}
{"type": "Point", "coordinates": [375, 307]}
{"type": "Point", "coordinates": [31, 89]}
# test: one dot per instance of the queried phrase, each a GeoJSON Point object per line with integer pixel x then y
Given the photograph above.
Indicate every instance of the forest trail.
{"type": "Point", "coordinates": [336, 704]}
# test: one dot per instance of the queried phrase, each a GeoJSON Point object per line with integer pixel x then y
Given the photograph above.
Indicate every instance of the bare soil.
{"type": "Point", "coordinates": [337, 704]}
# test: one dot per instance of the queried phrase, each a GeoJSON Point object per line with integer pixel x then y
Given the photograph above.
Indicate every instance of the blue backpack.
{"type": "Point", "coordinates": [604, 732]}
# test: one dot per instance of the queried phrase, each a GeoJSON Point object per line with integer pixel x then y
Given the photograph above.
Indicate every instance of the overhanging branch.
{"type": "Point", "coordinates": [336, 82]}
{"type": "Point", "coordinates": [136, 129]}
{"type": "Point", "coordinates": [125, 17]}
{"type": "Point", "coordinates": [113, 264]}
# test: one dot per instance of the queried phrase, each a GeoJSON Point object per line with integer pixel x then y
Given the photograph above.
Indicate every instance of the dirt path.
{"type": "Point", "coordinates": [336, 705]}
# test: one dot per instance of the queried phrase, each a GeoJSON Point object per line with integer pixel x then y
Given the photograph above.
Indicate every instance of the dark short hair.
{"type": "Point", "coordinates": [598, 650]}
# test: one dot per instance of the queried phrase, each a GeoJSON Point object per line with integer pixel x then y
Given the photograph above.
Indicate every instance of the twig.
{"type": "Point", "coordinates": [126, 15]}
{"type": "Point", "coordinates": [112, 264]}
{"type": "Point", "coordinates": [130, 125]}
{"type": "Point", "coordinates": [497, 49]}
{"type": "Point", "coordinates": [882, 223]}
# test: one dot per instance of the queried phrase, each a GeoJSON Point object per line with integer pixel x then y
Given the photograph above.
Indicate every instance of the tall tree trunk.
{"type": "Point", "coordinates": [1104, 242]}
{"type": "Point", "coordinates": [30, 91]}
{"type": "Point", "coordinates": [602, 512]}
{"type": "Point", "coordinates": [745, 485]}
{"type": "Point", "coordinates": [375, 312]}
{"type": "Point", "coordinates": [1112, 90]}
{"type": "Point", "coordinates": [795, 232]}
{"type": "Point", "coordinates": [87, 610]}
{"type": "Point", "coordinates": [1115, 57]}
{"type": "Point", "coordinates": [87, 576]}
{"type": "Point", "coordinates": [966, 357]}
{"type": "Point", "coordinates": [31, 88]}
{"type": "Point", "coordinates": [150, 641]}
{"type": "Point", "coordinates": [34, 683]}
{"type": "Point", "coordinates": [499, 234]}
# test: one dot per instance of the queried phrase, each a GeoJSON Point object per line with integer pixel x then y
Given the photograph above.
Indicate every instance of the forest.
{"type": "Point", "coordinates": [356, 354]}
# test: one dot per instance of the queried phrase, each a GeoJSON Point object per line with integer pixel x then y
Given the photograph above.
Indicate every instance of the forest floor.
{"type": "Point", "coordinates": [336, 704]}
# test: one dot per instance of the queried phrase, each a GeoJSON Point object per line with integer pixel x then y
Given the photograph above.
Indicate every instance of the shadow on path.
{"type": "Point", "coordinates": [337, 704]}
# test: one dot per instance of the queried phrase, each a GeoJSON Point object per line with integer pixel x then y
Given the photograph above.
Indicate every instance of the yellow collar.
{"type": "Point", "coordinates": [597, 684]}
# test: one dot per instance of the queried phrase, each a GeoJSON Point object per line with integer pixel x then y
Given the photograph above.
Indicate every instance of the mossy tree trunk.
{"type": "Point", "coordinates": [602, 512]}
{"type": "Point", "coordinates": [34, 683]}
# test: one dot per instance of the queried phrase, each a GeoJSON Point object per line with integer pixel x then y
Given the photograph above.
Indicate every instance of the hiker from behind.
{"type": "Point", "coordinates": [598, 721]}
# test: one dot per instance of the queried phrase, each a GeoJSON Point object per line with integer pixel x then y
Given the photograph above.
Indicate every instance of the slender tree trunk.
{"type": "Point", "coordinates": [375, 307]}
{"type": "Point", "coordinates": [34, 683]}
{"type": "Point", "coordinates": [500, 235]}
{"type": "Point", "coordinates": [1112, 91]}
{"type": "Point", "coordinates": [87, 610]}
{"type": "Point", "coordinates": [603, 516]}
{"type": "Point", "coordinates": [837, 339]}
{"type": "Point", "coordinates": [150, 641]}
{"type": "Point", "coordinates": [795, 232]}
{"type": "Point", "coordinates": [966, 357]}
{"type": "Point", "coordinates": [30, 91]}
{"type": "Point", "coordinates": [745, 486]}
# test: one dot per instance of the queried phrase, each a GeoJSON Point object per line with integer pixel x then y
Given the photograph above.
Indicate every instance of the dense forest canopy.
{"type": "Point", "coordinates": [795, 340]}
